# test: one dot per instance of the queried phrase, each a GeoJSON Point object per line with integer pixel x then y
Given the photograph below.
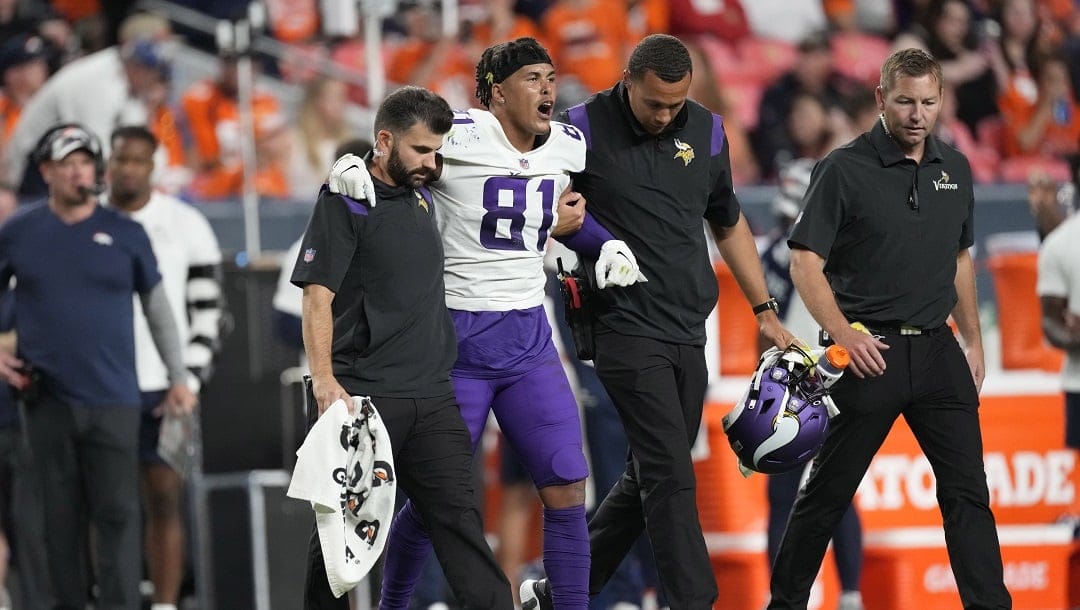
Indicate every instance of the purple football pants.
{"type": "Point", "coordinates": [538, 415]}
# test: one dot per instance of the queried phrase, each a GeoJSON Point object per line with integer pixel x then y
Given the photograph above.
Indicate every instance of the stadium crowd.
{"type": "Point", "coordinates": [792, 79]}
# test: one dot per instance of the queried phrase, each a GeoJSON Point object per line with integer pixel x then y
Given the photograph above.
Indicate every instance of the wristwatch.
{"type": "Point", "coordinates": [772, 304]}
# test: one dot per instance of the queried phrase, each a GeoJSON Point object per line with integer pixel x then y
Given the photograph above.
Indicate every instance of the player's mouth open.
{"type": "Point", "coordinates": [545, 109]}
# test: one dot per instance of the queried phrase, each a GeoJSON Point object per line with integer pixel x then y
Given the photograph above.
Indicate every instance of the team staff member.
{"type": "Point", "coordinates": [884, 241]}
{"type": "Point", "coordinates": [190, 264]}
{"type": "Point", "coordinates": [76, 266]}
{"type": "Point", "coordinates": [657, 164]}
{"type": "Point", "coordinates": [375, 323]}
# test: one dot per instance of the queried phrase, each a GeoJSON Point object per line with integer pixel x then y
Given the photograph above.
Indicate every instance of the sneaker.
{"type": "Point", "coordinates": [850, 600]}
{"type": "Point", "coordinates": [536, 595]}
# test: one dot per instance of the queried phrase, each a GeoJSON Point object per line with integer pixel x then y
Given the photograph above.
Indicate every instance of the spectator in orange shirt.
{"type": "Point", "coordinates": [213, 118]}
{"type": "Point", "coordinates": [1051, 125]}
{"type": "Point", "coordinates": [588, 41]}
{"type": "Point", "coordinates": [430, 59]}
{"type": "Point", "coordinates": [23, 70]}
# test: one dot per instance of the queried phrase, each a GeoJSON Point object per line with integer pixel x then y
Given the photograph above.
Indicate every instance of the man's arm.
{"type": "Point", "coordinates": [179, 398]}
{"type": "Point", "coordinates": [736, 245]}
{"type": "Point", "coordinates": [1055, 323]}
{"type": "Point", "coordinates": [808, 274]}
{"type": "Point", "coordinates": [318, 325]}
{"type": "Point", "coordinates": [966, 316]}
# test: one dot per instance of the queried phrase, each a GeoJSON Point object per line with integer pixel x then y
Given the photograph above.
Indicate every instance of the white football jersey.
{"type": "Point", "coordinates": [495, 209]}
{"type": "Point", "coordinates": [181, 238]}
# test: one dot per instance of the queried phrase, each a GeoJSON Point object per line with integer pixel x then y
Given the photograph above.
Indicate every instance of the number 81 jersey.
{"type": "Point", "coordinates": [495, 209]}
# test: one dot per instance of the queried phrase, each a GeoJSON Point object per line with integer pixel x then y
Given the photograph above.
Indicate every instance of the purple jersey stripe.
{"type": "Point", "coordinates": [579, 118]}
{"type": "Point", "coordinates": [355, 206]}
{"type": "Point", "coordinates": [717, 135]}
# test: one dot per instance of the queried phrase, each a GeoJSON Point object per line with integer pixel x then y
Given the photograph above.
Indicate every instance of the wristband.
{"type": "Point", "coordinates": [772, 304]}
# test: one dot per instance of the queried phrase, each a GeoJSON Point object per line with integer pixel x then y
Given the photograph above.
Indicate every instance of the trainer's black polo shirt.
{"type": "Point", "coordinates": [652, 192]}
{"type": "Point", "coordinates": [889, 230]}
{"type": "Point", "coordinates": [392, 332]}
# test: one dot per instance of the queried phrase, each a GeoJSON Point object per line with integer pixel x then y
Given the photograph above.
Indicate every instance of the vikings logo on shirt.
{"type": "Point", "coordinates": [421, 202]}
{"type": "Point", "coordinates": [685, 152]}
{"type": "Point", "coordinates": [943, 183]}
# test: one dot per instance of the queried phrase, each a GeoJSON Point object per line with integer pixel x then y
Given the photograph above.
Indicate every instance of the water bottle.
{"type": "Point", "coordinates": [831, 364]}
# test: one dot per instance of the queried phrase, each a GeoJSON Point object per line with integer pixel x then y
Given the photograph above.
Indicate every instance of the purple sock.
{"type": "Point", "coordinates": [407, 550]}
{"type": "Point", "coordinates": [566, 557]}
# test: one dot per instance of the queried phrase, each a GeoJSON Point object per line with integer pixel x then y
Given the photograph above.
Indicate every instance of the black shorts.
{"type": "Point", "coordinates": [150, 428]}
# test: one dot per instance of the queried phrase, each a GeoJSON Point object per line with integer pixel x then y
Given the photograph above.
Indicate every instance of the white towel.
{"type": "Point", "coordinates": [345, 468]}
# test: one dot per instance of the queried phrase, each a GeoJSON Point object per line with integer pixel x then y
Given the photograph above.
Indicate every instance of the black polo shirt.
{"type": "Point", "coordinates": [888, 229]}
{"type": "Point", "coordinates": [653, 192]}
{"type": "Point", "coordinates": [392, 332]}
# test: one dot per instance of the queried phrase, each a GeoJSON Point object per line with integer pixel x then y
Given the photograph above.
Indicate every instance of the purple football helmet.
{"type": "Point", "coordinates": [781, 421]}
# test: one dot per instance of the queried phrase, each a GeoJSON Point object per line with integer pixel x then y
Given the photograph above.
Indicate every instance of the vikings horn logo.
{"type": "Point", "coordinates": [785, 429]}
{"type": "Point", "coordinates": [368, 531]}
{"type": "Point", "coordinates": [685, 152]}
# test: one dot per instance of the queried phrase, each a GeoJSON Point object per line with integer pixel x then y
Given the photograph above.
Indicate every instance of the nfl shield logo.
{"type": "Point", "coordinates": [309, 255]}
{"type": "Point", "coordinates": [524, 163]}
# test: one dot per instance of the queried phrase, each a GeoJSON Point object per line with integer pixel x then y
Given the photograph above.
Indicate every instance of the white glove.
{"type": "Point", "coordinates": [349, 177]}
{"type": "Point", "coordinates": [617, 265]}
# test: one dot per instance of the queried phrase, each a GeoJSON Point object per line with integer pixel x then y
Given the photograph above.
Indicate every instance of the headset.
{"type": "Point", "coordinates": [66, 134]}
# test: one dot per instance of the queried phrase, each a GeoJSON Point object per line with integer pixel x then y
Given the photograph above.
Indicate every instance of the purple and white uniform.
{"type": "Point", "coordinates": [496, 208]}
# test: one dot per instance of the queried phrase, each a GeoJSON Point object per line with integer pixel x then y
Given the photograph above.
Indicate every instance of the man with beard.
{"type": "Point", "coordinates": [190, 264]}
{"type": "Point", "coordinates": [375, 323]}
{"type": "Point", "coordinates": [76, 266]}
{"type": "Point", "coordinates": [502, 189]}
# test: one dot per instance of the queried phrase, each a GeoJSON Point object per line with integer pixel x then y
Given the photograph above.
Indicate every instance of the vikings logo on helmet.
{"type": "Point", "coordinates": [781, 421]}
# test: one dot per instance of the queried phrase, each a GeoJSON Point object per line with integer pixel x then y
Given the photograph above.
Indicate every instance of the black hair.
{"type": "Point", "coordinates": [662, 54]}
{"type": "Point", "coordinates": [501, 60]}
{"type": "Point", "coordinates": [410, 105]}
{"type": "Point", "coordinates": [134, 132]}
{"type": "Point", "coordinates": [355, 146]}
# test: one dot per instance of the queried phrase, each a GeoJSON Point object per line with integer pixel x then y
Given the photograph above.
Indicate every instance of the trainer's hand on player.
{"type": "Point", "coordinates": [617, 265]}
{"type": "Point", "coordinates": [179, 400]}
{"type": "Point", "coordinates": [571, 213]}
{"type": "Point", "coordinates": [327, 391]}
{"type": "Point", "coordinates": [349, 176]}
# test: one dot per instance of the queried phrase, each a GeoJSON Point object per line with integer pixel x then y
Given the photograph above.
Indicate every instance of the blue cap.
{"type": "Point", "coordinates": [21, 49]}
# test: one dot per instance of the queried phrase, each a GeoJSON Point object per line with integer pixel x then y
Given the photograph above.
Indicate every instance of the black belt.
{"type": "Point", "coordinates": [902, 330]}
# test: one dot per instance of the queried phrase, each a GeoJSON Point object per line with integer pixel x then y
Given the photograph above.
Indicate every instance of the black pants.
{"type": "Point", "coordinates": [847, 539]}
{"type": "Point", "coordinates": [23, 521]}
{"type": "Point", "coordinates": [928, 381]}
{"type": "Point", "coordinates": [87, 459]}
{"type": "Point", "coordinates": [433, 460]}
{"type": "Point", "coordinates": [659, 390]}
